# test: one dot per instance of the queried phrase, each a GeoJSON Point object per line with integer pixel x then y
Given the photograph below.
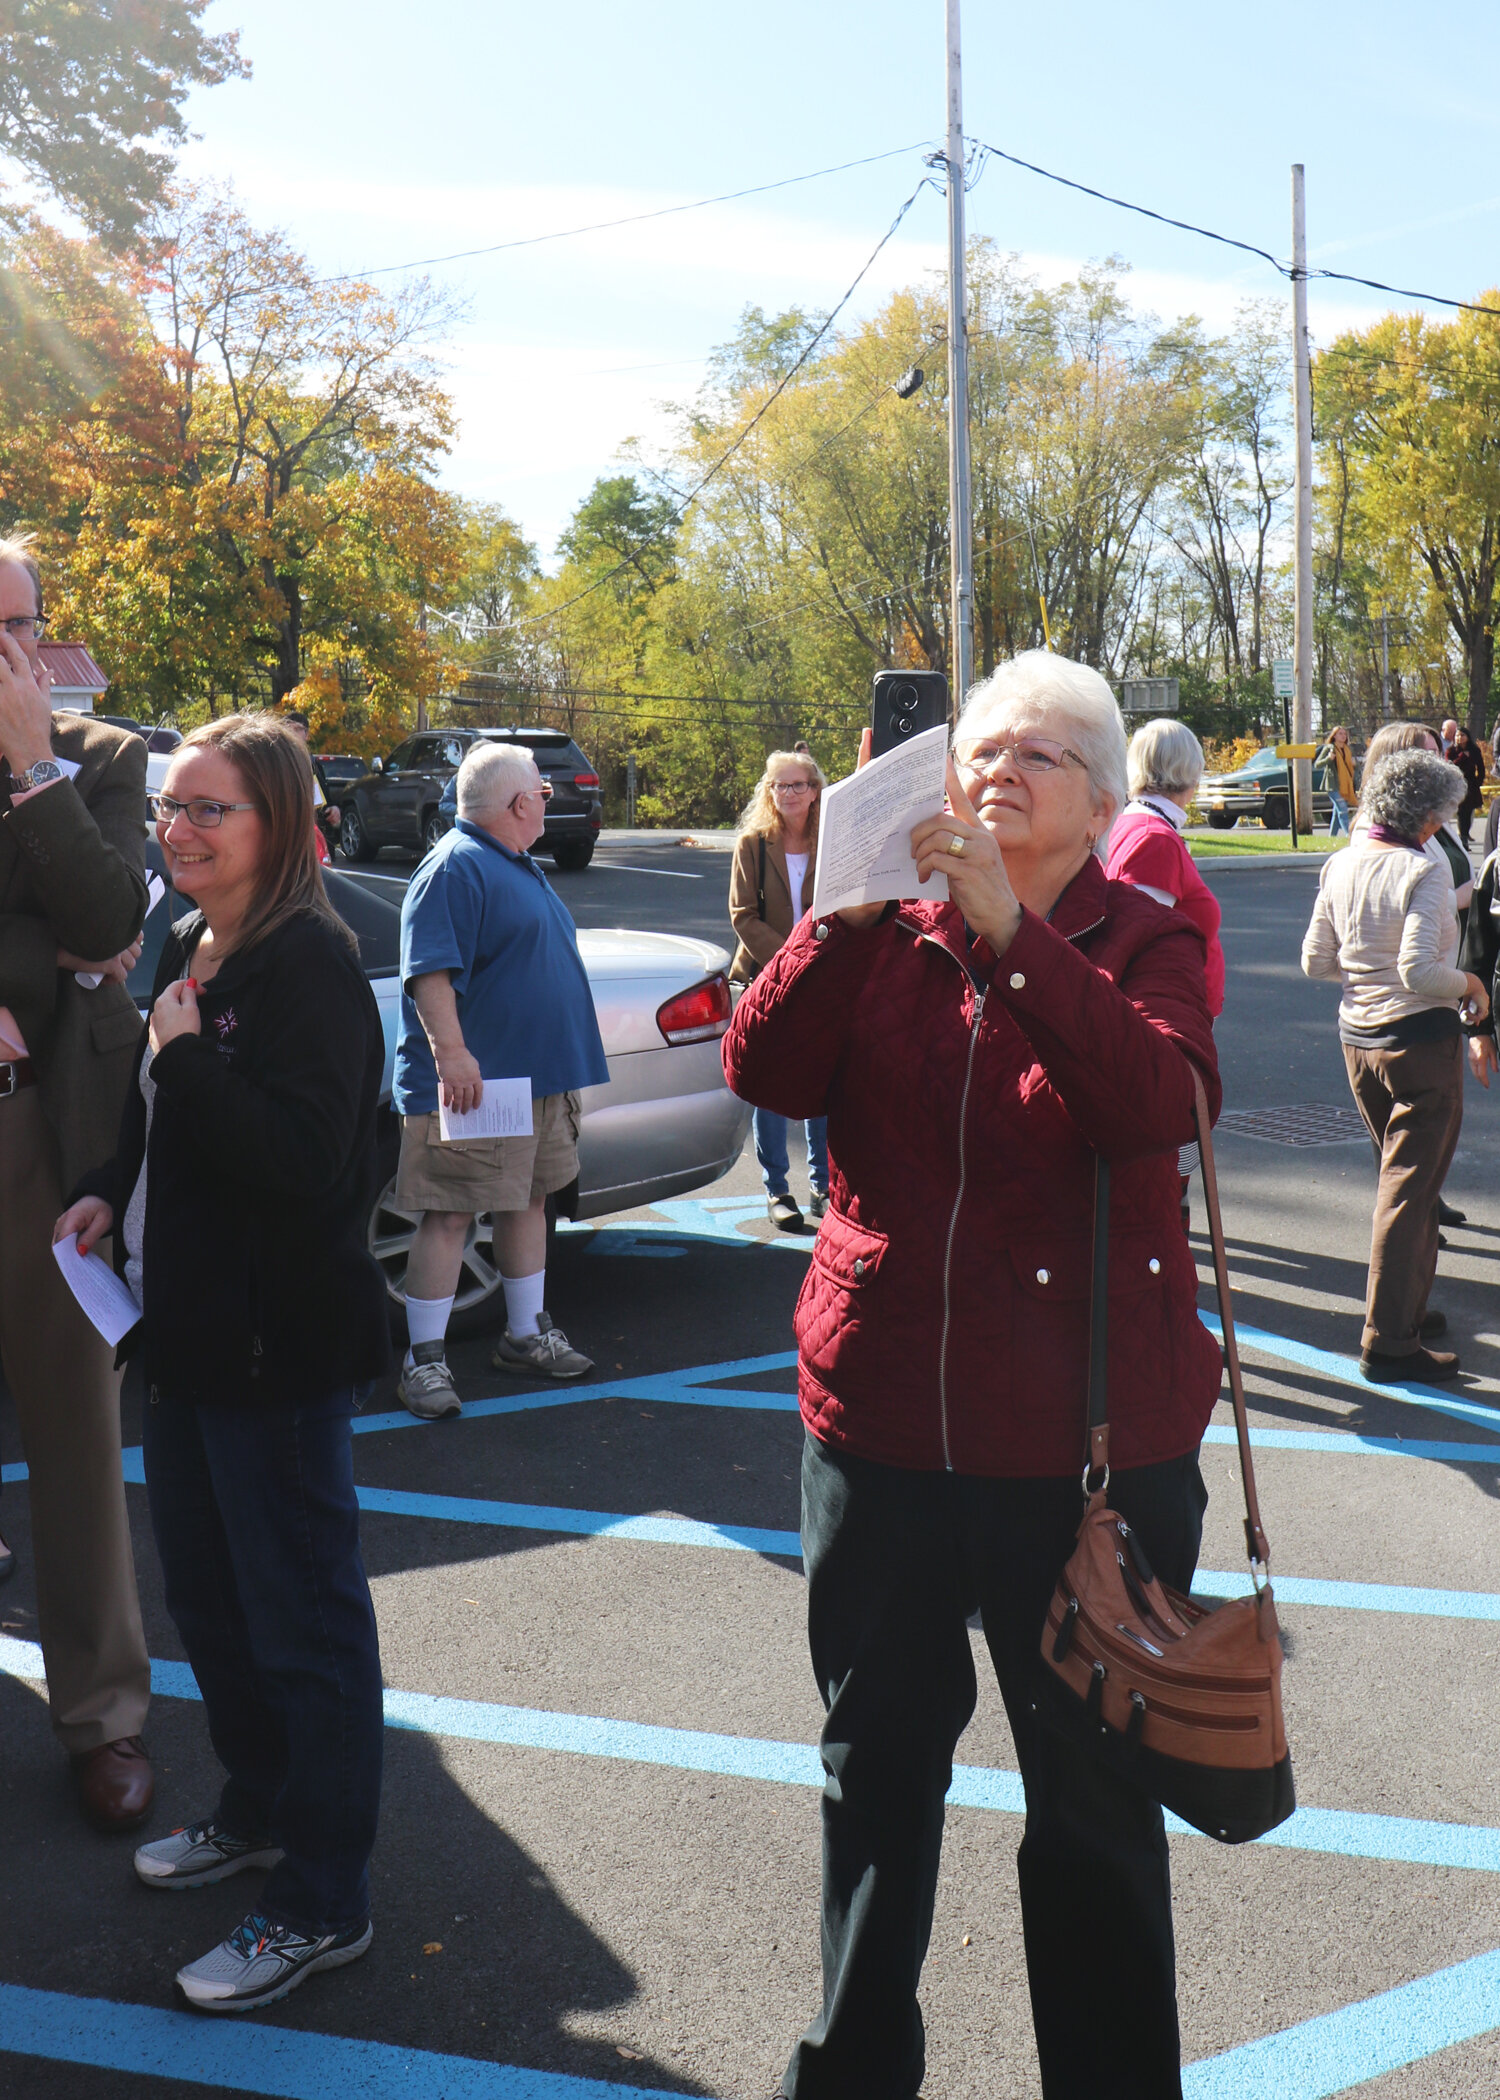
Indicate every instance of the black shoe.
{"type": "Point", "coordinates": [1422, 1367]}
{"type": "Point", "coordinates": [817, 1204]}
{"type": "Point", "coordinates": [1441, 1242]}
{"type": "Point", "coordinates": [1433, 1325]}
{"type": "Point", "coordinates": [783, 1213]}
{"type": "Point", "coordinates": [7, 1562]}
{"type": "Point", "coordinates": [1447, 1215]}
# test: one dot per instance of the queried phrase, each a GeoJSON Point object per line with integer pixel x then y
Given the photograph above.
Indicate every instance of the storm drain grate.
{"type": "Point", "coordinates": [1305, 1123]}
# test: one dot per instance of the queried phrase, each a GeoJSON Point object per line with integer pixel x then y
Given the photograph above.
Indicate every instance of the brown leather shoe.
{"type": "Point", "coordinates": [115, 1784]}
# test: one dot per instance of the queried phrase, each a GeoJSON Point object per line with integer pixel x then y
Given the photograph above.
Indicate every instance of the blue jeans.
{"type": "Point", "coordinates": [1338, 816]}
{"type": "Point", "coordinates": [258, 1532]}
{"type": "Point", "coordinates": [770, 1150]}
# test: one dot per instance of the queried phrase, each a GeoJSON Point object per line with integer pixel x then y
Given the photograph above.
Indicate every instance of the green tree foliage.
{"type": "Point", "coordinates": [86, 86]}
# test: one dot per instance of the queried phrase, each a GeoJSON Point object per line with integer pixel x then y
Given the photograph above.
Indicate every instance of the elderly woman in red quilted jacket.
{"type": "Point", "coordinates": [971, 1057]}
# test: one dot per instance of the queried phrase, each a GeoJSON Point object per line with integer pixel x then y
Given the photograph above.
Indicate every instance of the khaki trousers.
{"type": "Point", "coordinates": [1412, 1101]}
{"type": "Point", "coordinates": [67, 1396]}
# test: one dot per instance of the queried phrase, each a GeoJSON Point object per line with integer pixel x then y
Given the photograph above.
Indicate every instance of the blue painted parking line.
{"type": "Point", "coordinates": [1344, 1370]}
{"type": "Point", "coordinates": [1346, 1833]}
{"type": "Point", "coordinates": [1343, 1443]}
{"type": "Point", "coordinates": [1340, 2050]}
{"type": "Point", "coordinates": [259, 2058]}
{"type": "Point", "coordinates": [694, 1387]}
{"type": "Point", "coordinates": [588, 1523]}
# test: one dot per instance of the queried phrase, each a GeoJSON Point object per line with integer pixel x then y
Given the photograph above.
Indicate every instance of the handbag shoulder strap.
{"type": "Point", "coordinates": [1098, 1437]}
{"type": "Point", "coordinates": [760, 881]}
{"type": "Point", "coordinates": [1255, 1537]}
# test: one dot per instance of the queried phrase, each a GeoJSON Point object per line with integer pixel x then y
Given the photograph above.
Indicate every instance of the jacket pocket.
{"type": "Point", "coordinates": [849, 1255]}
{"type": "Point", "coordinates": [116, 1031]}
{"type": "Point", "coordinates": [839, 1323]}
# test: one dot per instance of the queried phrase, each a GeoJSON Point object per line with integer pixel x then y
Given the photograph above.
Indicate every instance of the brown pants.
{"type": "Point", "coordinates": [1412, 1101]}
{"type": "Point", "coordinates": [67, 1396]}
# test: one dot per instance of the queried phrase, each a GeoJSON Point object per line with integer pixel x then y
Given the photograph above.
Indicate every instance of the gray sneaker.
{"type": "Point", "coordinates": [260, 1962]}
{"type": "Point", "coordinates": [545, 1354]}
{"type": "Point", "coordinates": [426, 1389]}
{"type": "Point", "coordinates": [201, 1852]}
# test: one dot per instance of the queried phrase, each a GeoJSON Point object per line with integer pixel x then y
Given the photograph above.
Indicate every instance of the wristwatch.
{"type": "Point", "coordinates": [35, 776]}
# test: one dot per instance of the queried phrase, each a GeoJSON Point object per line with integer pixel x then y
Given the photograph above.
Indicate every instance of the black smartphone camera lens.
{"type": "Point", "coordinates": [904, 725]}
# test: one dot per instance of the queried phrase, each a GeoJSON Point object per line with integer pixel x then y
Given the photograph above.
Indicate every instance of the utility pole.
{"type": "Point", "coordinates": [421, 703]}
{"type": "Point", "coordinates": [1385, 665]}
{"type": "Point", "coordinates": [1302, 631]}
{"type": "Point", "coordinates": [960, 516]}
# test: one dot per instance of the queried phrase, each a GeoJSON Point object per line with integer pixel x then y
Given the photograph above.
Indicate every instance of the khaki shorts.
{"type": "Point", "coordinates": [487, 1174]}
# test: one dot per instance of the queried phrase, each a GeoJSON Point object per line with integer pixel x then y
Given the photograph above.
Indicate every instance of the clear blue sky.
{"type": "Point", "coordinates": [374, 133]}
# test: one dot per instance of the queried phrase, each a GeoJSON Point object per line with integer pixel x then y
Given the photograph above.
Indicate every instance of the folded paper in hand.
{"type": "Point", "coordinates": [106, 1302]}
{"type": "Point", "coordinates": [505, 1111]}
{"type": "Point", "coordinates": [865, 825]}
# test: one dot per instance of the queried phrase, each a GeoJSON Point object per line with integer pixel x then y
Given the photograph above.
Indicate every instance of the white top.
{"type": "Point", "coordinates": [1385, 923]}
{"type": "Point", "coordinates": [796, 868]}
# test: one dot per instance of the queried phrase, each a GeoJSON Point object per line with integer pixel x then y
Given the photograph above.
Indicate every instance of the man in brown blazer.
{"type": "Point", "coordinates": [72, 900]}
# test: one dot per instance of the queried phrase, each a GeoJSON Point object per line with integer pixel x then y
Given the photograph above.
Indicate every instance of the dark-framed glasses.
{"type": "Point", "coordinates": [201, 814]}
{"type": "Point", "coordinates": [25, 626]}
{"type": "Point", "coordinates": [1033, 754]}
{"type": "Point", "coordinates": [792, 787]}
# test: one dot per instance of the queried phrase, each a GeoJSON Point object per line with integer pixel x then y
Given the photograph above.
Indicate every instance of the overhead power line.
{"type": "Point", "coordinates": [1226, 240]}
{"type": "Point", "coordinates": [679, 509]}
{"type": "Point", "coordinates": [666, 211]}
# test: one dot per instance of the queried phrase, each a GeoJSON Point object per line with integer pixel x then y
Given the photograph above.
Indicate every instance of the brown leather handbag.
{"type": "Point", "coordinates": [1182, 1695]}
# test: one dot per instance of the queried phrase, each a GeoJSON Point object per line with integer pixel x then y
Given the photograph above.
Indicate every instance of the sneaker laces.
{"type": "Point", "coordinates": [254, 1934]}
{"type": "Point", "coordinates": [549, 1341]}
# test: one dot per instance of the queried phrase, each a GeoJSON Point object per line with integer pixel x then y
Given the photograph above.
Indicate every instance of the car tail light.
{"type": "Point", "coordinates": [585, 780]}
{"type": "Point", "coordinates": [698, 1013]}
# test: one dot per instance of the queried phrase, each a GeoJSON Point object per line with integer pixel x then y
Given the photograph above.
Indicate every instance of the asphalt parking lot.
{"type": "Point", "coordinates": [598, 1858]}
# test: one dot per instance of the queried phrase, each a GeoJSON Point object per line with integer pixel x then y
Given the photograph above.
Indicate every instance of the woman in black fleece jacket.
{"type": "Point", "coordinates": [237, 1199]}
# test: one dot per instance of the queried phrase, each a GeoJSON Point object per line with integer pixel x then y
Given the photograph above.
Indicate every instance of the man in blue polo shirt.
{"type": "Point", "coordinates": [492, 987]}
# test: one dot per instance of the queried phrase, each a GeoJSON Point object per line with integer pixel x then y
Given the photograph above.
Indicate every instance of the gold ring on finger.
{"type": "Point", "coordinates": [956, 849]}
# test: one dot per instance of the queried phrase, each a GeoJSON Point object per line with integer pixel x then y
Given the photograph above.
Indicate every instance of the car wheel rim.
{"type": "Point", "coordinates": [391, 1232]}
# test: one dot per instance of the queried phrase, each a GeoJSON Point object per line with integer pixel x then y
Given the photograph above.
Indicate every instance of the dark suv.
{"type": "Point", "coordinates": [397, 803]}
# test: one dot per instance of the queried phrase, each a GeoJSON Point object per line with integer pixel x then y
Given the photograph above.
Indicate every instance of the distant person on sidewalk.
{"type": "Point", "coordinates": [770, 887]}
{"type": "Point", "coordinates": [1384, 925]}
{"type": "Point", "coordinates": [492, 987]}
{"type": "Point", "coordinates": [1449, 737]}
{"type": "Point", "coordinates": [1468, 756]}
{"type": "Point", "coordinates": [72, 898]}
{"type": "Point", "coordinates": [1492, 815]}
{"type": "Point", "coordinates": [1339, 760]}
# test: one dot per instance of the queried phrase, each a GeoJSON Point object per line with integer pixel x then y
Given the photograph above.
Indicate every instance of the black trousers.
{"type": "Point", "coordinates": [896, 1563]}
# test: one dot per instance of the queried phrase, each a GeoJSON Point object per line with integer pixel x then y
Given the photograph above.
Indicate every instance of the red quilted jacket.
{"type": "Point", "coordinates": [944, 1320]}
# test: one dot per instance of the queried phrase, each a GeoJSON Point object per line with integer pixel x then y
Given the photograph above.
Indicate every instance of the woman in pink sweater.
{"type": "Point", "coordinates": [1146, 846]}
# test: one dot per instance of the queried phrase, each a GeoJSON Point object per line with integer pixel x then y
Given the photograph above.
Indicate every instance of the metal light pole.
{"type": "Point", "coordinates": [960, 511]}
{"type": "Point", "coordinates": [1302, 631]}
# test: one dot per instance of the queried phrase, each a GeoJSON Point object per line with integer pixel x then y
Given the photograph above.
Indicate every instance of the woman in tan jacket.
{"type": "Point", "coordinates": [769, 890]}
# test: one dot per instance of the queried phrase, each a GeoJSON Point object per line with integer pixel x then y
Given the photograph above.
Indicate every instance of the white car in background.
{"type": "Point", "coordinates": [665, 1123]}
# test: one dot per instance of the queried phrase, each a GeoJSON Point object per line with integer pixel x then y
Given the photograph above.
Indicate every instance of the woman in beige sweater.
{"type": "Point", "coordinates": [770, 887]}
{"type": "Point", "coordinates": [1385, 926]}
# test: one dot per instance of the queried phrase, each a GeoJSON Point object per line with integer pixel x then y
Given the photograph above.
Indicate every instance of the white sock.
{"type": "Point", "coordinates": [426, 1321]}
{"type": "Point", "coordinates": [523, 1301]}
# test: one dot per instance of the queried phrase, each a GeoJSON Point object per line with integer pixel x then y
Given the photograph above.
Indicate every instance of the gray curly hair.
{"type": "Point", "coordinates": [1409, 789]}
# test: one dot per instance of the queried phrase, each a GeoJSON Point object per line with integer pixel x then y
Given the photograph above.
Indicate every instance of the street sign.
{"type": "Point", "coordinates": [1296, 750]}
{"type": "Point", "coordinates": [1148, 696]}
{"type": "Point", "coordinates": [1283, 678]}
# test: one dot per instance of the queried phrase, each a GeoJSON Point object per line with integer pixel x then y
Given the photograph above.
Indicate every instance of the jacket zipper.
{"type": "Point", "coordinates": [963, 1174]}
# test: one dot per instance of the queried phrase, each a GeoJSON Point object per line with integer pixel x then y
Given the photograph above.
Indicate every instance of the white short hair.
{"type": "Point", "coordinates": [492, 775]}
{"type": "Point", "coordinates": [1165, 757]}
{"type": "Point", "coordinates": [1055, 696]}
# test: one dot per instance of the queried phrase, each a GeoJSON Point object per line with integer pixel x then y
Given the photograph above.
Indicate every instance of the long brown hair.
{"type": "Point", "coordinates": [278, 779]}
{"type": "Point", "coordinates": [761, 815]}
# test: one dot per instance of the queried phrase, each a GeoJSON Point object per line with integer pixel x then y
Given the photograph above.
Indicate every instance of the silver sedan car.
{"type": "Point", "coordinates": [665, 1122]}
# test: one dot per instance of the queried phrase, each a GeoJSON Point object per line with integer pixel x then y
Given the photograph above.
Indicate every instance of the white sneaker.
{"type": "Point", "coordinates": [198, 1854]}
{"type": "Point", "coordinates": [260, 1962]}
{"type": "Point", "coordinates": [426, 1389]}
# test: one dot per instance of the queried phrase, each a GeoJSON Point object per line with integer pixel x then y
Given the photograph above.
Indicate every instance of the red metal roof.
{"type": "Point", "coordinates": [73, 669]}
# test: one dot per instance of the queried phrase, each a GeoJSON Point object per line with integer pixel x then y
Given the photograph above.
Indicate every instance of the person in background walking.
{"type": "Point", "coordinates": [1468, 756]}
{"type": "Point", "coordinates": [1449, 737]}
{"type": "Point", "coordinates": [1384, 926]}
{"type": "Point", "coordinates": [1146, 847]}
{"type": "Point", "coordinates": [1339, 760]}
{"type": "Point", "coordinates": [770, 887]}
{"type": "Point", "coordinates": [492, 987]}
{"type": "Point", "coordinates": [1444, 845]}
{"type": "Point", "coordinates": [1492, 815]}
{"type": "Point", "coordinates": [239, 1196]}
